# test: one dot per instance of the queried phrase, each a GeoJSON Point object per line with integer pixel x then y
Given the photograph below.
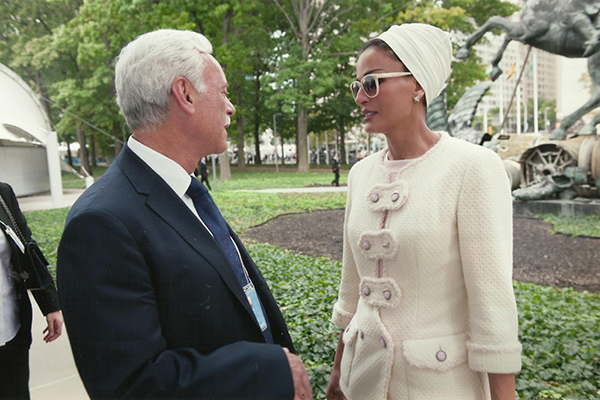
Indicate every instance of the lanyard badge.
{"type": "Point", "coordinates": [252, 297]}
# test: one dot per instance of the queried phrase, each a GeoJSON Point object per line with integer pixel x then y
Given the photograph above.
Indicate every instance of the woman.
{"type": "Point", "coordinates": [426, 302]}
{"type": "Point", "coordinates": [15, 307]}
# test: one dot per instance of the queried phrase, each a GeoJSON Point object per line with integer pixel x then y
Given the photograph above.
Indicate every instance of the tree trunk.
{"type": "Point", "coordinates": [257, 158]}
{"type": "Point", "coordinates": [93, 151]}
{"type": "Point", "coordinates": [83, 153]}
{"type": "Point", "coordinates": [342, 158]}
{"type": "Point", "coordinates": [69, 157]}
{"type": "Point", "coordinates": [224, 167]}
{"type": "Point", "coordinates": [301, 149]}
{"type": "Point", "coordinates": [240, 144]}
{"type": "Point", "coordinates": [240, 136]}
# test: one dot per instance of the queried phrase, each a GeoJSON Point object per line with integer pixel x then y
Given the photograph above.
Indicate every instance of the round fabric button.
{"type": "Point", "coordinates": [395, 196]}
{"type": "Point", "coordinates": [366, 291]}
{"type": "Point", "coordinates": [387, 294]}
{"type": "Point", "coordinates": [440, 356]}
{"type": "Point", "coordinates": [374, 197]}
{"type": "Point", "coordinates": [366, 245]}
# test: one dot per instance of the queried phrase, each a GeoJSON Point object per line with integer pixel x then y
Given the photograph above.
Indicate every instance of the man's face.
{"type": "Point", "coordinates": [214, 112]}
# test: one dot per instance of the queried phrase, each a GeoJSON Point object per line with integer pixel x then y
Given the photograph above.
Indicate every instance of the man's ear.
{"type": "Point", "coordinates": [182, 91]}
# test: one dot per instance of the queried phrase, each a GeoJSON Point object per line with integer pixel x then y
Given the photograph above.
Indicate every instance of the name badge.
{"type": "Point", "coordinates": [252, 297]}
{"type": "Point", "coordinates": [13, 235]}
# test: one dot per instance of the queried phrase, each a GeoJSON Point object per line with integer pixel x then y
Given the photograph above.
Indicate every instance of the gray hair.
{"type": "Point", "coordinates": [147, 67]}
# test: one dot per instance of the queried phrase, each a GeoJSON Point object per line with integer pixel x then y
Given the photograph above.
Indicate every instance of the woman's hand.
{"type": "Point", "coordinates": [333, 389]}
{"type": "Point", "coordinates": [54, 328]}
{"type": "Point", "coordinates": [502, 386]}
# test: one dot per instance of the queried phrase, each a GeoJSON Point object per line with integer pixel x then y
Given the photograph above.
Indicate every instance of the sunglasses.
{"type": "Point", "coordinates": [370, 83]}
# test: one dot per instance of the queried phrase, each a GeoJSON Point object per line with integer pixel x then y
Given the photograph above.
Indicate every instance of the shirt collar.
{"type": "Point", "coordinates": [171, 172]}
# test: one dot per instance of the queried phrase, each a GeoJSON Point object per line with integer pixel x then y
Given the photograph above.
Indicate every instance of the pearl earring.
{"type": "Point", "coordinates": [417, 98]}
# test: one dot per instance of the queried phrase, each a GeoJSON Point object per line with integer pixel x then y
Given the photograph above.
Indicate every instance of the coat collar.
{"type": "Point", "coordinates": [169, 207]}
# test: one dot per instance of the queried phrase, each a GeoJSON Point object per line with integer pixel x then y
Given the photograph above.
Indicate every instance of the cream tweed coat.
{"type": "Point", "coordinates": [426, 298]}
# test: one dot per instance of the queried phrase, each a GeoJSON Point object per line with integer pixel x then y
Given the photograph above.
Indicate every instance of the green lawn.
{"type": "Point", "coordinates": [559, 329]}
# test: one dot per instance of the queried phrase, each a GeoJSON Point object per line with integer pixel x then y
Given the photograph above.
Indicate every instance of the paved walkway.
{"type": "Point", "coordinates": [44, 201]}
{"type": "Point", "coordinates": [53, 373]}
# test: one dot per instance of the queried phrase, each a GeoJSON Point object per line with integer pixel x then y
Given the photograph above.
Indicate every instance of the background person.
{"type": "Point", "coordinates": [203, 172]}
{"type": "Point", "coordinates": [150, 275]}
{"type": "Point", "coordinates": [335, 168]}
{"type": "Point", "coordinates": [426, 300]}
{"type": "Point", "coordinates": [15, 307]}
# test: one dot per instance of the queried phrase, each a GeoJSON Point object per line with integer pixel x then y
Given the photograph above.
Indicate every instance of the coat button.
{"type": "Point", "coordinates": [383, 343]}
{"type": "Point", "coordinates": [395, 197]}
{"type": "Point", "coordinates": [361, 334]}
{"type": "Point", "coordinates": [366, 291]}
{"type": "Point", "coordinates": [366, 245]}
{"type": "Point", "coordinates": [374, 197]}
{"type": "Point", "coordinates": [387, 294]}
{"type": "Point", "coordinates": [441, 356]}
{"type": "Point", "coordinates": [386, 244]}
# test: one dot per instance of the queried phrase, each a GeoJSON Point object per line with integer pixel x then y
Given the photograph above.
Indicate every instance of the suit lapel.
{"type": "Point", "coordinates": [169, 207]}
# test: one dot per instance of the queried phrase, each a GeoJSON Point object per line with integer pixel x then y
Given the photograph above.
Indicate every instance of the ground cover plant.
{"type": "Point", "coordinates": [559, 328]}
{"type": "Point", "coordinates": [251, 180]}
{"type": "Point", "coordinates": [579, 225]}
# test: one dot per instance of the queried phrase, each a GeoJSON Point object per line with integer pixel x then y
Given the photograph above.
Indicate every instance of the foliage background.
{"type": "Point", "coordinates": [559, 328]}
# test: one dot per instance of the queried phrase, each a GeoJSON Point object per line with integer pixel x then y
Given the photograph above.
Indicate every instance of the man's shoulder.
{"type": "Point", "coordinates": [112, 192]}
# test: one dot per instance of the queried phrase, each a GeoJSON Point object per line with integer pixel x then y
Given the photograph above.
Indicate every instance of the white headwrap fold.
{"type": "Point", "coordinates": [426, 51]}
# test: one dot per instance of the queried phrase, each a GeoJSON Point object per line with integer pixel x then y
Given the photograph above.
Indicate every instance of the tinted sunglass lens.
{"type": "Point", "coordinates": [355, 87]}
{"type": "Point", "coordinates": [369, 86]}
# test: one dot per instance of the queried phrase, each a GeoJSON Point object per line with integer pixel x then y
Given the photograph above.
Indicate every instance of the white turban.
{"type": "Point", "coordinates": [426, 51]}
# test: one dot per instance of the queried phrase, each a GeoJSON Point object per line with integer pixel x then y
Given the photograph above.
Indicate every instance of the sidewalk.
{"type": "Point", "coordinates": [44, 201]}
{"type": "Point", "coordinates": [53, 374]}
{"type": "Point", "coordinates": [310, 189]}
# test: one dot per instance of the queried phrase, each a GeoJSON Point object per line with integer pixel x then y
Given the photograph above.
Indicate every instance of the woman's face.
{"type": "Point", "coordinates": [394, 104]}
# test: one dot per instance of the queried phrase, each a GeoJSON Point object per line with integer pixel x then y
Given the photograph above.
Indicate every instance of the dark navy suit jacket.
{"type": "Point", "coordinates": [151, 305]}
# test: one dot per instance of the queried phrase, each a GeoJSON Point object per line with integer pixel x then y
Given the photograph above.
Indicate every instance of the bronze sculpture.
{"type": "Point", "coordinates": [568, 28]}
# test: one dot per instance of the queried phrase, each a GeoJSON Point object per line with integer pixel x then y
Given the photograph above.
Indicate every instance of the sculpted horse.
{"type": "Point", "coordinates": [564, 27]}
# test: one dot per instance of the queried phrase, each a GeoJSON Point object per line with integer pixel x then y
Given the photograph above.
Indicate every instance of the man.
{"type": "Point", "coordinates": [202, 172]}
{"type": "Point", "coordinates": [335, 167]}
{"type": "Point", "coordinates": [154, 306]}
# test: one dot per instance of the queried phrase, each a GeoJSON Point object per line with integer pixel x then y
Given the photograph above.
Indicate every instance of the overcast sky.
{"type": "Point", "coordinates": [572, 94]}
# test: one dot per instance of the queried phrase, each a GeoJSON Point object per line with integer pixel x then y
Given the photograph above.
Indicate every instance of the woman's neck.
{"type": "Point", "coordinates": [406, 144]}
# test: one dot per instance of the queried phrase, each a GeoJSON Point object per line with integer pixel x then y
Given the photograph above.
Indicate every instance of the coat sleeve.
{"type": "Point", "coordinates": [47, 299]}
{"type": "Point", "coordinates": [110, 309]}
{"type": "Point", "coordinates": [345, 308]}
{"type": "Point", "coordinates": [485, 238]}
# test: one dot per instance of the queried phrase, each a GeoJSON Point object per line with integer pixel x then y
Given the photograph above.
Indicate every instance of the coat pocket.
{"type": "Point", "coordinates": [438, 369]}
{"type": "Point", "coordinates": [368, 356]}
{"type": "Point", "coordinates": [439, 354]}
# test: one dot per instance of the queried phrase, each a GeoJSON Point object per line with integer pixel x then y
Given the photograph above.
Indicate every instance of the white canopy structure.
{"type": "Point", "coordinates": [29, 158]}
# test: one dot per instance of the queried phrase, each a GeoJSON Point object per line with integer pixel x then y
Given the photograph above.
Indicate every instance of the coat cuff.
{"type": "Point", "coordinates": [340, 318]}
{"type": "Point", "coordinates": [504, 359]}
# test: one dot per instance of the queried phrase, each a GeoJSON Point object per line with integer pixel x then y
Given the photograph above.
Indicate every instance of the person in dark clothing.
{"type": "Point", "coordinates": [15, 307]}
{"type": "Point", "coordinates": [335, 167]}
{"type": "Point", "coordinates": [202, 172]}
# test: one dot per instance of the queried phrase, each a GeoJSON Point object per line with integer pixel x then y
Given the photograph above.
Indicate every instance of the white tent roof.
{"type": "Point", "coordinates": [22, 117]}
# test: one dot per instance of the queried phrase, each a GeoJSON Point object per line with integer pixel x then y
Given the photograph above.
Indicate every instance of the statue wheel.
{"type": "Point", "coordinates": [543, 161]}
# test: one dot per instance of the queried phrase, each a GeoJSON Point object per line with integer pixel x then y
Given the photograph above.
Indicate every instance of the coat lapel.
{"type": "Point", "coordinates": [169, 207]}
